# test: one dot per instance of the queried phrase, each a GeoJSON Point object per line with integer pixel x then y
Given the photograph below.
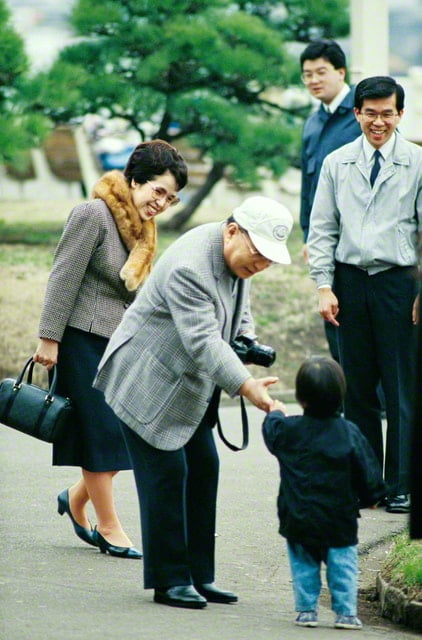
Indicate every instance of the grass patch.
{"type": "Point", "coordinates": [403, 566]}
{"type": "Point", "coordinates": [27, 233]}
{"type": "Point", "coordinates": [25, 258]}
{"type": "Point", "coordinates": [33, 223]}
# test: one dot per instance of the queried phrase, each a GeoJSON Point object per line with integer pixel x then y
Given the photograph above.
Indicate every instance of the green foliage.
{"type": "Point", "coordinates": [302, 20]}
{"type": "Point", "coordinates": [162, 51]}
{"type": "Point", "coordinates": [238, 138]}
{"type": "Point", "coordinates": [19, 132]}
{"type": "Point", "coordinates": [307, 19]}
{"type": "Point", "coordinates": [12, 56]}
{"type": "Point", "coordinates": [205, 65]}
{"type": "Point", "coordinates": [403, 566]}
{"type": "Point", "coordinates": [20, 127]}
{"type": "Point", "coordinates": [47, 91]}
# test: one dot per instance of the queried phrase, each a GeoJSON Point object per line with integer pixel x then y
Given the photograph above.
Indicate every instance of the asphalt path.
{"type": "Point", "coordinates": [55, 586]}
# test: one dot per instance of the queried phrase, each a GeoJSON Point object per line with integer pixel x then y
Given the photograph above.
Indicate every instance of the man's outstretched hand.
{"type": "Point", "coordinates": [256, 390]}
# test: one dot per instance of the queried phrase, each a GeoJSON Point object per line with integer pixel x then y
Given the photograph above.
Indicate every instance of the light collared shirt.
{"type": "Point", "coordinates": [369, 151]}
{"type": "Point", "coordinates": [332, 106]}
{"type": "Point", "coordinates": [370, 228]}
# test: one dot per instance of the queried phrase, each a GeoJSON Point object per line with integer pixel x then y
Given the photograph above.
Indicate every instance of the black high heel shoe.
{"type": "Point", "coordinates": [119, 552]}
{"type": "Point", "coordinates": [64, 507]}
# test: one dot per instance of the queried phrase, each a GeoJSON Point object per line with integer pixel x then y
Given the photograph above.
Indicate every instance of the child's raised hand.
{"type": "Point", "coordinates": [277, 405]}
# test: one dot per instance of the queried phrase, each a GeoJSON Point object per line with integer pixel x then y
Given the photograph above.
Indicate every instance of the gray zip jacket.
{"type": "Point", "coordinates": [374, 229]}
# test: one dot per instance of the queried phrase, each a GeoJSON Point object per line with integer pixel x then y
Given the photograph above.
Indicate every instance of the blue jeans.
{"type": "Point", "coordinates": [342, 569]}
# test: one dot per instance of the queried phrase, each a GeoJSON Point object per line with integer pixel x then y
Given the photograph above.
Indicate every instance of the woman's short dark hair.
{"type": "Point", "coordinates": [327, 49]}
{"type": "Point", "coordinates": [320, 386]}
{"type": "Point", "coordinates": [378, 87]}
{"type": "Point", "coordinates": [153, 158]}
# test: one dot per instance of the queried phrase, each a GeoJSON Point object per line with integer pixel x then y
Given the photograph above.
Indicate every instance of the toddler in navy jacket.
{"type": "Point", "coordinates": [328, 470]}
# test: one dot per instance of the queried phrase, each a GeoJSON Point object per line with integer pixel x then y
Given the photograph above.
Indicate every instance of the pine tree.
{"type": "Point", "coordinates": [20, 127]}
{"type": "Point", "coordinates": [197, 70]}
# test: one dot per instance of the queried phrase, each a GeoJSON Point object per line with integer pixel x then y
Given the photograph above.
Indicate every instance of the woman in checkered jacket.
{"type": "Point", "coordinates": [105, 253]}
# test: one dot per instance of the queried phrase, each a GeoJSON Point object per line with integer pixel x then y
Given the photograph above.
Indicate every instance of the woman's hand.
{"type": "Point", "coordinates": [46, 353]}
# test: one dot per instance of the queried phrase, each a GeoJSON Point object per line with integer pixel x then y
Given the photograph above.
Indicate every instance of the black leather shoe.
{"type": "Point", "coordinates": [398, 504]}
{"type": "Point", "coordinates": [185, 596]}
{"type": "Point", "coordinates": [87, 535]}
{"type": "Point", "coordinates": [119, 552]}
{"type": "Point", "coordinates": [213, 594]}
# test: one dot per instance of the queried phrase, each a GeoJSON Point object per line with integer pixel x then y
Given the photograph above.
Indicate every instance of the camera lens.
{"type": "Point", "coordinates": [261, 355]}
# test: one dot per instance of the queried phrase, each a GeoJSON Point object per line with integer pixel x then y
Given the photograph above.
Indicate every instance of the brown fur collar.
{"type": "Point", "coordinates": [140, 237]}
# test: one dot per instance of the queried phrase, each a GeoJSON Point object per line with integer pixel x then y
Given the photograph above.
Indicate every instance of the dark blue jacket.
{"type": "Point", "coordinates": [327, 469]}
{"type": "Point", "coordinates": [322, 134]}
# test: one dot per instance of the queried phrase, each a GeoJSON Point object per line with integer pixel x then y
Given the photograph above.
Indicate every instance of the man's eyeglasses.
{"type": "Point", "coordinates": [252, 250]}
{"type": "Point", "coordinates": [160, 193]}
{"type": "Point", "coordinates": [320, 74]}
{"type": "Point", "coordinates": [371, 116]}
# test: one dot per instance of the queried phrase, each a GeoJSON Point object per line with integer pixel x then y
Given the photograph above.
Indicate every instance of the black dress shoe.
{"type": "Point", "coordinates": [184, 596]}
{"type": "Point", "coordinates": [213, 594]}
{"type": "Point", "coordinates": [113, 550]}
{"type": "Point", "coordinates": [63, 506]}
{"type": "Point", "coordinates": [398, 504]}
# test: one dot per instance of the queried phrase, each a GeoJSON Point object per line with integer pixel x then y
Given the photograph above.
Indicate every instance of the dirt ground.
{"type": "Point", "coordinates": [369, 566]}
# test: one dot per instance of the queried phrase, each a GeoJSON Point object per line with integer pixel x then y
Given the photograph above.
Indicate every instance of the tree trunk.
{"type": "Point", "coordinates": [181, 217]}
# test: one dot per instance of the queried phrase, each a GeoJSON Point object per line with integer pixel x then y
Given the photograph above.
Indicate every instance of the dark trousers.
{"type": "Point", "coordinates": [177, 493]}
{"type": "Point", "coordinates": [331, 333]}
{"type": "Point", "coordinates": [416, 457]}
{"type": "Point", "coordinates": [377, 343]}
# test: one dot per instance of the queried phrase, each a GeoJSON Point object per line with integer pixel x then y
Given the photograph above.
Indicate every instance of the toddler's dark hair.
{"type": "Point", "coordinates": [320, 386]}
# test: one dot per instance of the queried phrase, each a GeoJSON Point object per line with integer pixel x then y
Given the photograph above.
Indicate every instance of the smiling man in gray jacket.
{"type": "Point", "coordinates": [363, 238]}
{"type": "Point", "coordinates": [162, 374]}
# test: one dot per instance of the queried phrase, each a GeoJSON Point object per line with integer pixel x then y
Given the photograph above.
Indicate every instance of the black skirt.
{"type": "Point", "coordinates": [95, 442]}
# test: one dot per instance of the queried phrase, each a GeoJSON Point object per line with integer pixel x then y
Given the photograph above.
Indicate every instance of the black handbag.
{"type": "Point", "coordinates": [38, 412]}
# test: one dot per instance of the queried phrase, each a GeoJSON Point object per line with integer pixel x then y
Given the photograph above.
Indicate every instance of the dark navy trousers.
{"type": "Point", "coordinates": [177, 493]}
{"type": "Point", "coordinates": [377, 342]}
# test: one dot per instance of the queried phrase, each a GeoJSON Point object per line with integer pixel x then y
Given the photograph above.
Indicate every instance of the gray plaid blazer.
{"type": "Point", "coordinates": [84, 289]}
{"type": "Point", "coordinates": [162, 363]}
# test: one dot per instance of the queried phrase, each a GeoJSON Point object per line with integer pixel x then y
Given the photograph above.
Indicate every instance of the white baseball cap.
{"type": "Point", "coordinates": [268, 224]}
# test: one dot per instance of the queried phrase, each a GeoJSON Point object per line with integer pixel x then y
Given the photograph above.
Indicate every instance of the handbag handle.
{"type": "Point", "coordinates": [30, 362]}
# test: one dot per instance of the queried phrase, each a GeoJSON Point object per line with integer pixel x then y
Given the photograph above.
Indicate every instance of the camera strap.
{"type": "Point", "coordinates": [245, 429]}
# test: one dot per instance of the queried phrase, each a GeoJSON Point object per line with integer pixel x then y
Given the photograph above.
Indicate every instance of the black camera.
{"type": "Point", "coordinates": [251, 352]}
